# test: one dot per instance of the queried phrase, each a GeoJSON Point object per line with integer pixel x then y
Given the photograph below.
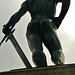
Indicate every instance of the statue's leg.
{"type": "Point", "coordinates": [35, 44]}
{"type": "Point", "coordinates": [52, 42]}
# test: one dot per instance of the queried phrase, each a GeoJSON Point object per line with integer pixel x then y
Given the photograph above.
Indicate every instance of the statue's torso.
{"type": "Point", "coordinates": [38, 8]}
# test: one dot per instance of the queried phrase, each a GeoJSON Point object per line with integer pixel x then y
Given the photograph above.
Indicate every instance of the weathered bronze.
{"type": "Point", "coordinates": [42, 28]}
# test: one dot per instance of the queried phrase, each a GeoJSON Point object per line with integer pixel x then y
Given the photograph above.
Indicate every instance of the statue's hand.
{"type": "Point", "coordinates": [57, 21]}
{"type": "Point", "coordinates": [5, 29]}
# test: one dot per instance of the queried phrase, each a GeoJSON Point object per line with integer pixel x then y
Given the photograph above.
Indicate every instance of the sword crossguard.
{"type": "Point", "coordinates": [5, 37]}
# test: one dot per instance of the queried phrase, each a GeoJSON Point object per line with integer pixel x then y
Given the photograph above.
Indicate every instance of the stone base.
{"type": "Point", "coordinates": [51, 70]}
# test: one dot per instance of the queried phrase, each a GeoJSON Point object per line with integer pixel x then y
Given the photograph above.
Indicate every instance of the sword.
{"type": "Point", "coordinates": [11, 37]}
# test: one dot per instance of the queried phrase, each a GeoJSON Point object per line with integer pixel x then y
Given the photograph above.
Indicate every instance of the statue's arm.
{"type": "Point", "coordinates": [65, 6]}
{"type": "Point", "coordinates": [15, 18]}
{"type": "Point", "coordinates": [64, 9]}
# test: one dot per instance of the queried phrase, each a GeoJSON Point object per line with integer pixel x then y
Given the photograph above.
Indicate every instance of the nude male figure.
{"type": "Point", "coordinates": [42, 28]}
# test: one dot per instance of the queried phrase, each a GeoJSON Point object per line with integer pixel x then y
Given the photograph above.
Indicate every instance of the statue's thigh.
{"type": "Point", "coordinates": [49, 36]}
{"type": "Point", "coordinates": [33, 36]}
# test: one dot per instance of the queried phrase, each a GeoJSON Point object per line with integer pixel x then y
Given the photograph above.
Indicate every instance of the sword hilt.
{"type": "Point", "coordinates": [5, 37]}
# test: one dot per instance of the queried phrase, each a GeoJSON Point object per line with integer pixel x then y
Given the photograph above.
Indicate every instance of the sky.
{"type": "Point", "coordinates": [9, 59]}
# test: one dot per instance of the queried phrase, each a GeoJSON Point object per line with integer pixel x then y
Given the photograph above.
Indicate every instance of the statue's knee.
{"type": "Point", "coordinates": [58, 57]}
{"type": "Point", "coordinates": [38, 54]}
{"type": "Point", "coordinates": [39, 59]}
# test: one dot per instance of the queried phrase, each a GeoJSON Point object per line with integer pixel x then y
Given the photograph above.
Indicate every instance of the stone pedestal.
{"type": "Point", "coordinates": [51, 70]}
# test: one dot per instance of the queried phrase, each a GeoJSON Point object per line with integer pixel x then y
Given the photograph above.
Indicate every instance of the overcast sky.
{"type": "Point", "coordinates": [9, 58]}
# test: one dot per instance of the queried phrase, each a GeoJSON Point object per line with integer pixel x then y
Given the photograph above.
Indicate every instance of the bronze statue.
{"type": "Point", "coordinates": [42, 28]}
